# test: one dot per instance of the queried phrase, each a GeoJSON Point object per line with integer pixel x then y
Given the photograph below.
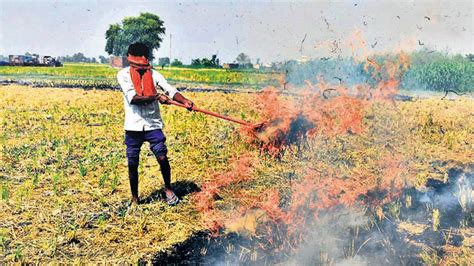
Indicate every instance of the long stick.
{"type": "Point", "coordinates": [235, 120]}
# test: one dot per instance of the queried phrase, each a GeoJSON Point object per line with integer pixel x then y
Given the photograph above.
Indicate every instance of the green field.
{"type": "Point", "coordinates": [100, 75]}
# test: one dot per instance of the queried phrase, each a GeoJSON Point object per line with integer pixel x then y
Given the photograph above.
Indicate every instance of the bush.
{"type": "Point", "coordinates": [428, 70]}
{"type": "Point", "coordinates": [441, 74]}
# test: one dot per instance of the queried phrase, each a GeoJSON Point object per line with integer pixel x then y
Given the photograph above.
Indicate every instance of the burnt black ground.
{"type": "Point", "coordinates": [229, 249]}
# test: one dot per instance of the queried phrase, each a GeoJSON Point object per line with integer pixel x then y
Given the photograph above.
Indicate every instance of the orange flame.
{"type": "Point", "coordinates": [319, 109]}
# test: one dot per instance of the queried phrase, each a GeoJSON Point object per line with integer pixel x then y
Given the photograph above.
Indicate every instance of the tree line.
{"type": "Point", "coordinates": [81, 58]}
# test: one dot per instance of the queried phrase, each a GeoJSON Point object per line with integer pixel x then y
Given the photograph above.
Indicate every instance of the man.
{"type": "Point", "coordinates": [143, 122]}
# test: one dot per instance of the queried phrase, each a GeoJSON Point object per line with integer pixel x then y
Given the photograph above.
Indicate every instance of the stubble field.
{"type": "Point", "coordinates": [64, 185]}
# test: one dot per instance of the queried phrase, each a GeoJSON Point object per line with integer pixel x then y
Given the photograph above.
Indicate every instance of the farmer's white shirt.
{"type": "Point", "coordinates": [147, 116]}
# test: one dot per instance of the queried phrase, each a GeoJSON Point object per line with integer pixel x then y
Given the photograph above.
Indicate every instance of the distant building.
{"type": "Point", "coordinates": [256, 66]}
{"type": "Point", "coordinates": [119, 61]}
{"type": "Point", "coordinates": [164, 61]}
{"type": "Point", "coordinates": [230, 65]}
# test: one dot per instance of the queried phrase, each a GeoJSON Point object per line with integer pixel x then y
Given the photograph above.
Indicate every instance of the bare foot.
{"type": "Point", "coordinates": [171, 198]}
{"type": "Point", "coordinates": [169, 192]}
{"type": "Point", "coordinates": [133, 207]}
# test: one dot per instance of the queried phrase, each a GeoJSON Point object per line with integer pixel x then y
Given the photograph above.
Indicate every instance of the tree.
{"type": "Point", "coordinates": [470, 57]}
{"type": "Point", "coordinates": [103, 59]}
{"type": "Point", "coordinates": [215, 60]}
{"type": "Point", "coordinates": [146, 28]}
{"type": "Point", "coordinates": [243, 59]}
{"type": "Point", "coordinates": [206, 62]}
{"type": "Point", "coordinates": [112, 35]}
{"type": "Point", "coordinates": [196, 62]}
{"type": "Point", "coordinates": [79, 57]}
{"type": "Point", "coordinates": [176, 63]}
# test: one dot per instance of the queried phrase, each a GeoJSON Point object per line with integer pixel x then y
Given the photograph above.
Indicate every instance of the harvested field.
{"type": "Point", "coordinates": [65, 190]}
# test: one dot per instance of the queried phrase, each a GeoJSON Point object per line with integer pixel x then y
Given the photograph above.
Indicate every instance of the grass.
{"type": "Point", "coordinates": [64, 182]}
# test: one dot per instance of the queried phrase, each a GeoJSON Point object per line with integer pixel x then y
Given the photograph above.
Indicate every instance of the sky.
{"type": "Point", "coordinates": [267, 30]}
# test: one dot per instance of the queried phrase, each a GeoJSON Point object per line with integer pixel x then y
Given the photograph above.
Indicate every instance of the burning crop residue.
{"type": "Point", "coordinates": [322, 109]}
{"type": "Point", "coordinates": [280, 221]}
{"type": "Point", "coordinates": [289, 121]}
{"type": "Point", "coordinates": [337, 192]}
{"type": "Point", "coordinates": [242, 170]}
{"type": "Point", "coordinates": [420, 222]}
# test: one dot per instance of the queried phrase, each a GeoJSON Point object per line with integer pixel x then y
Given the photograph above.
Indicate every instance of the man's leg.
{"type": "Point", "coordinates": [134, 141]}
{"type": "Point", "coordinates": [157, 145]}
{"type": "Point", "coordinates": [165, 170]}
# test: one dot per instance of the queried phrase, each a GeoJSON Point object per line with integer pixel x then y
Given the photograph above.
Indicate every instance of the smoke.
{"type": "Point", "coordinates": [320, 211]}
{"type": "Point", "coordinates": [342, 235]}
{"type": "Point", "coordinates": [325, 216]}
{"type": "Point", "coordinates": [453, 198]}
{"type": "Point", "coordinates": [327, 241]}
{"type": "Point", "coordinates": [337, 71]}
{"type": "Point", "coordinates": [329, 216]}
{"type": "Point", "coordinates": [354, 236]}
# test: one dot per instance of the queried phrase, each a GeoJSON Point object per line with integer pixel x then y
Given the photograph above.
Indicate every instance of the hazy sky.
{"type": "Point", "coordinates": [269, 30]}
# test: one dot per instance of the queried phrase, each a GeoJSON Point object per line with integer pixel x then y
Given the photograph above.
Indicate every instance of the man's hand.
{"type": "Point", "coordinates": [189, 105]}
{"type": "Point", "coordinates": [163, 99]}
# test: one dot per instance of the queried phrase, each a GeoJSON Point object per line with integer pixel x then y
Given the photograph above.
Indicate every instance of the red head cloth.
{"type": "Point", "coordinates": [144, 84]}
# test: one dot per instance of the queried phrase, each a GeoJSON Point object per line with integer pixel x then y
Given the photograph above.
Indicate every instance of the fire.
{"type": "Point", "coordinates": [322, 109]}
{"type": "Point", "coordinates": [242, 170]}
{"type": "Point", "coordinates": [289, 121]}
{"type": "Point", "coordinates": [316, 192]}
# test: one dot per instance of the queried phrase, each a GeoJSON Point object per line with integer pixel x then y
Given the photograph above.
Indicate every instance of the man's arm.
{"type": "Point", "coordinates": [164, 99]}
{"type": "Point", "coordinates": [126, 86]}
{"type": "Point", "coordinates": [139, 100]}
{"type": "Point", "coordinates": [170, 91]}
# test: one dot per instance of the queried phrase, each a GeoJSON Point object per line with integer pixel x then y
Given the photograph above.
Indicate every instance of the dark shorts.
{"type": "Point", "coordinates": [135, 139]}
